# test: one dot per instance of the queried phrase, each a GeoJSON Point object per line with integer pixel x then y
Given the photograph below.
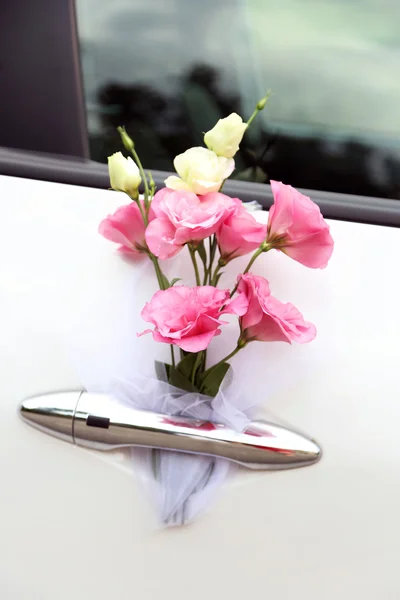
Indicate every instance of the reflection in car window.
{"type": "Point", "coordinates": [169, 70]}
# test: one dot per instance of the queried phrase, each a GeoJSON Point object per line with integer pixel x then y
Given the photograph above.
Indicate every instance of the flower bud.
{"type": "Point", "coordinates": [124, 174]}
{"type": "Point", "coordinates": [126, 139]}
{"type": "Point", "coordinates": [224, 138]}
{"type": "Point", "coordinates": [261, 104]}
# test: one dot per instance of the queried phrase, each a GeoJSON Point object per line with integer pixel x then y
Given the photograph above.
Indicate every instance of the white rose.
{"type": "Point", "coordinates": [200, 171]}
{"type": "Point", "coordinates": [224, 138]}
{"type": "Point", "coordinates": [124, 174]}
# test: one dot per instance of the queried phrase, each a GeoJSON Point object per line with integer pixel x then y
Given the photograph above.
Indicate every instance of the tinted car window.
{"type": "Point", "coordinates": [169, 70]}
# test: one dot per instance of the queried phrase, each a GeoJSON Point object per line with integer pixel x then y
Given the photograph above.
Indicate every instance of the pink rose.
{"type": "Point", "coordinates": [296, 226]}
{"type": "Point", "coordinates": [189, 317]}
{"type": "Point", "coordinates": [240, 233]}
{"type": "Point", "coordinates": [125, 227]}
{"type": "Point", "coordinates": [181, 217]}
{"type": "Point", "coordinates": [269, 320]}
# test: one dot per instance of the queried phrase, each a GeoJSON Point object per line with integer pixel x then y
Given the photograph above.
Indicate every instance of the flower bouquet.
{"type": "Point", "coordinates": [191, 214]}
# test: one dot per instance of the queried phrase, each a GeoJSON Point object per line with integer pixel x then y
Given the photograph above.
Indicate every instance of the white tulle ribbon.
{"type": "Point", "coordinates": [180, 485]}
{"type": "Point", "coordinates": [253, 206]}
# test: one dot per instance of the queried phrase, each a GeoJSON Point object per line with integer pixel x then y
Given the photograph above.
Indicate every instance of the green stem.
{"type": "Point", "coordinates": [213, 249]}
{"type": "Point", "coordinates": [210, 246]}
{"type": "Point", "coordinates": [207, 267]}
{"type": "Point", "coordinates": [192, 253]}
{"type": "Point", "coordinates": [214, 277]}
{"type": "Point", "coordinates": [196, 365]}
{"type": "Point", "coordinates": [144, 179]}
{"type": "Point", "coordinates": [158, 271]}
{"type": "Point", "coordinates": [253, 116]}
{"type": "Point", "coordinates": [263, 248]}
{"type": "Point", "coordinates": [205, 275]}
{"type": "Point", "coordinates": [204, 362]}
{"type": "Point", "coordinates": [172, 356]}
{"type": "Point", "coordinates": [160, 279]}
{"type": "Point", "coordinates": [260, 106]}
{"type": "Point", "coordinates": [203, 258]}
{"type": "Point", "coordinates": [142, 212]}
{"type": "Point", "coordinates": [152, 185]}
{"type": "Point", "coordinates": [253, 259]}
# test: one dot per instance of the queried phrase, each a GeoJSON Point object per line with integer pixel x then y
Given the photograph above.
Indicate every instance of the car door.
{"type": "Point", "coordinates": [76, 524]}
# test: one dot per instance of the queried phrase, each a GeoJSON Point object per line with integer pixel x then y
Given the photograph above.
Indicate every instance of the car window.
{"type": "Point", "coordinates": [169, 70]}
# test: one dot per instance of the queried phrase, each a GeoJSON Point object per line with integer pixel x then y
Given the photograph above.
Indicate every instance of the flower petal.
{"type": "Point", "coordinates": [176, 183]}
{"type": "Point", "coordinates": [160, 238]}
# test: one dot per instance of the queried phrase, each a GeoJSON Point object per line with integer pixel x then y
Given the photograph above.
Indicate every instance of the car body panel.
{"type": "Point", "coordinates": [75, 523]}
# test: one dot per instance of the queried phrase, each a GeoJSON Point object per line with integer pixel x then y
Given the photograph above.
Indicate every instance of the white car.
{"type": "Point", "coordinates": [74, 523]}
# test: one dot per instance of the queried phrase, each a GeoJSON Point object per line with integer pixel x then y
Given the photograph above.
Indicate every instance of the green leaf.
{"type": "Point", "coordinates": [165, 281]}
{"type": "Point", "coordinates": [186, 365]}
{"type": "Point", "coordinates": [173, 282]}
{"type": "Point", "coordinates": [212, 378]}
{"type": "Point", "coordinates": [202, 252]}
{"type": "Point", "coordinates": [161, 370]}
{"type": "Point", "coordinates": [181, 381]}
